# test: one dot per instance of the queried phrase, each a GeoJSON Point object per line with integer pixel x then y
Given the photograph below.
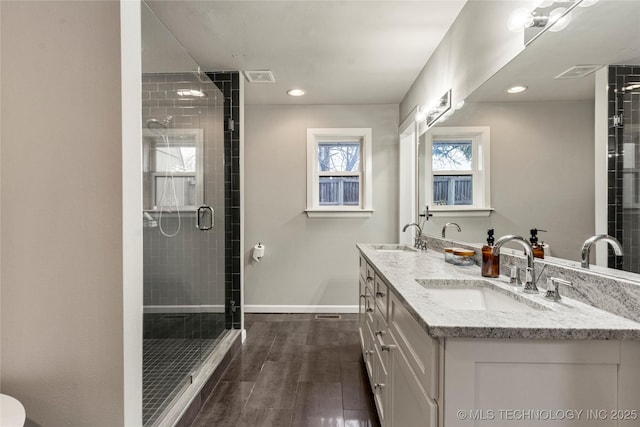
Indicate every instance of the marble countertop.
{"type": "Point", "coordinates": [565, 319]}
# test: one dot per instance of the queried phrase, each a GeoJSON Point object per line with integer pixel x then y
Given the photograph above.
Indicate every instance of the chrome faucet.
{"type": "Point", "coordinates": [586, 247]}
{"type": "Point", "coordinates": [417, 238]}
{"type": "Point", "coordinates": [530, 284]}
{"type": "Point", "coordinates": [449, 224]}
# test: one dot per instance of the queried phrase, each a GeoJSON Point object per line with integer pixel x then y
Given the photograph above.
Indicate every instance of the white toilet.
{"type": "Point", "coordinates": [12, 412]}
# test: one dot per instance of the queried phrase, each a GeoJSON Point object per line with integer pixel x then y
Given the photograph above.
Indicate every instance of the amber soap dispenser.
{"type": "Point", "coordinates": [538, 249]}
{"type": "Point", "coordinates": [490, 262]}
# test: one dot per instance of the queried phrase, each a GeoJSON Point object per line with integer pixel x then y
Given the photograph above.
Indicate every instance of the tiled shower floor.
{"type": "Point", "coordinates": [167, 364]}
{"type": "Point", "coordinates": [174, 345]}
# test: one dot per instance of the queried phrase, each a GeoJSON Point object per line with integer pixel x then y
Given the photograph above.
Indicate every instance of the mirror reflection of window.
{"type": "Point", "coordinates": [450, 161]}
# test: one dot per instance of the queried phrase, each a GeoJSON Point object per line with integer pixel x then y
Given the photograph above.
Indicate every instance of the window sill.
{"type": "Point", "coordinates": [339, 213]}
{"type": "Point", "coordinates": [460, 212]}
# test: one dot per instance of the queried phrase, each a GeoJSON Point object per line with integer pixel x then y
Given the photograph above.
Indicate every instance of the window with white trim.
{"type": "Point", "coordinates": [339, 172]}
{"type": "Point", "coordinates": [173, 169]}
{"type": "Point", "coordinates": [457, 170]}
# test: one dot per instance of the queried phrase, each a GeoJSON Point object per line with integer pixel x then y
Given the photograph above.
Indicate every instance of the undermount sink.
{"type": "Point", "coordinates": [479, 295]}
{"type": "Point", "coordinates": [393, 247]}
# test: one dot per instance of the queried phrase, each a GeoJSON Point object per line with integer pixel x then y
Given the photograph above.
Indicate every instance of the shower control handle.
{"type": "Point", "coordinates": [199, 213]}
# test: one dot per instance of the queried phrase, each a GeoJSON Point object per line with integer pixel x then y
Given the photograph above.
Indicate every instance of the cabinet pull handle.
{"type": "Point", "coordinates": [380, 333]}
{"type": "Point", "coordinates": [369, 310]}
{"type": "Point", "coordinates": [368, 352]}
{"type": "Point", "coordinates": [387, 347]}
{"type": "Point", "coordinates": [378, 385]}
{"type": "Point", "coordinates": [369, 279]}
{"type": "Point", "coordinates": [379, 294]}
{"type": "Point", "coordinates": [363, 296]}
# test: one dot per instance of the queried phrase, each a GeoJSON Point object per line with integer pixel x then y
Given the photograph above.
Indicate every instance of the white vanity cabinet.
{"type": "Point", "coordinates": [419, 381]}
{"type": "Point", "coordinates": [400, 358]}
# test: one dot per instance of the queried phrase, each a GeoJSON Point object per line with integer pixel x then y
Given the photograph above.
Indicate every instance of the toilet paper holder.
{"type": "Point", "coordinates": [258, 252]}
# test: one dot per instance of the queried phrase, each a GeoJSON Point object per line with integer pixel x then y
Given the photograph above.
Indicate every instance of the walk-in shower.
{"type": "Point", "coordinates": [191, 231]}
{"type": "Point", "coordinates": [191, 225]}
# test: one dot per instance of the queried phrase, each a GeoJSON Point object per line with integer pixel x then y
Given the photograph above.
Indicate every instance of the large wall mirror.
{"type": "Point", "coordinates": [543, 140]}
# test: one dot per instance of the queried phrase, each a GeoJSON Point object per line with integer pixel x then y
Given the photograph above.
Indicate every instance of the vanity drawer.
{"type": "Point", "coordinates": [369, 352]}
{"type": "Point", "coordinates": [363, 267]}
{"type": "Point", "coordinates": [381, 296]}
{"type": "Point", "coordinates": [381, 337]}
{"type": "Point", "coordinates": [369, 276]}
{"type": "Point", "coordinates": [369, 307]}
{"type": "Point", "coordinates": [420, 350]}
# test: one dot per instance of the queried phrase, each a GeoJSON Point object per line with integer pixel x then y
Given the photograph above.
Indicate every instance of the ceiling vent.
{"type": "Point", "coordinates": [264, 76]}
{"type": "Point", "coordinates": [578, 71]}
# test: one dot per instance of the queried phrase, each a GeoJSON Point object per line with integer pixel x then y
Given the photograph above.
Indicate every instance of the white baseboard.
{"type": "Point", "coordinates": [250, 308]}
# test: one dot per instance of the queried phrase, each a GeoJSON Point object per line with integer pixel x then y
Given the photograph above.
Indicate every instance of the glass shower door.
{"type": "Point", "coordinates": [184, 232]}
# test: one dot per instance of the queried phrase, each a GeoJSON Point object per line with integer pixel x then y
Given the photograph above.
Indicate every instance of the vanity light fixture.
{"type": "Point", "coordinates": [421, 114]}
{"type": "Point", "coordinates": [519, 19]}
{"type": "Point", "coordinates": [435, 111]}
{"type": "Point", "coordinates": [295, 92]}
{"type": "Point", "coordinates": [559, 19]}
{"type": "Point", "coordinates": [517, 89]}
{"type": "Point", "coordinates": [544, 17]}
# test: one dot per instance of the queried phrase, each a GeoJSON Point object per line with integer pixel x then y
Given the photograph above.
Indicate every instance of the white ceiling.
{"type": "Point", "coordinates": [606, 33]}
{"type": "Point", "coordinates": [340, 52]}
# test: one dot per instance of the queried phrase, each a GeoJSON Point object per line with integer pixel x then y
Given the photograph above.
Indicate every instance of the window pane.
{"type": "Point", "coordinates": [339, 191]}
{"type": "Point", "coordinates": [175, 158]}
{"type": "Point", "coordinates": [175, 192]}
{"type": "Point", "coordinates": [452, 190]}
{"type": "Point", "coordinates": [339, 156]}
{"type": "Point", "coordinates": [451, 155]}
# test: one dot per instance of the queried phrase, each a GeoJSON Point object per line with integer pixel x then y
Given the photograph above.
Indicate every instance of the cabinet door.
{"type": "Point", "coordinates": [380, 387]}
{"type": "Point", "coordinates": [409, 405]}
{"type": "Point", "coordinates": [422, 352]}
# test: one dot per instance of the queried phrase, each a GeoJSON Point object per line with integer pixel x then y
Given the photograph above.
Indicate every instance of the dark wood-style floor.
{"type": "Point", "coordinates": [294, 371]}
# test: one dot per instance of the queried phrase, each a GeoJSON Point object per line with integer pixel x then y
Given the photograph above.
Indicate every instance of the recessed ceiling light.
{"type": "Point", "coordinates": [191, 92]}
{"type": "Point", "coordinates": [517, 89]}
{"type": "Point", "coordinates": [295, 92]}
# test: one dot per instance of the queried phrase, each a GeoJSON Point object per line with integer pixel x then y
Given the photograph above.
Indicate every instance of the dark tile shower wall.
{"type": "Point", "coordinates": [623, 215]}
{"type": "Point", "coordinates": [184, 270]}
{"type": "Point", "coordinates": [229, 85]}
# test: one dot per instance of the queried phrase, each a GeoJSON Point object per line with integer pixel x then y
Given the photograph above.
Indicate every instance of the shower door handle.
{"type": "Point", "coordinates": [200, 213]}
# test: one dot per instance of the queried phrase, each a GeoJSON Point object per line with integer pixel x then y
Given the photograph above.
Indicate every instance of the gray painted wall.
{"type": "Point", "coordinates": [541, 172]}
{"type": "Point", "coordinates": [310, 261]}
{"type": "Point", "coordinates": [62, 334]}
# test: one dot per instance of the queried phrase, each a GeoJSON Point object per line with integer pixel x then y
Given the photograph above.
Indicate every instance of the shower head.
{"type": "Point", "coordinates": [159, 125]}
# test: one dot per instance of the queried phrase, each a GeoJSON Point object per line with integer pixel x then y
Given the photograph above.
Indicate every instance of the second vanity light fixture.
{"type": "Point", "coordinates": [554, 15]}
{"type": "Point", "coordinates": [435, 111]}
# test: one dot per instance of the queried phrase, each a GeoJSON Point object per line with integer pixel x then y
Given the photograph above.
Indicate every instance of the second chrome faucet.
{"type": "Point", "coordinates": [530, 284]}
{"type": "Point", "coordinates": [449, 224]}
